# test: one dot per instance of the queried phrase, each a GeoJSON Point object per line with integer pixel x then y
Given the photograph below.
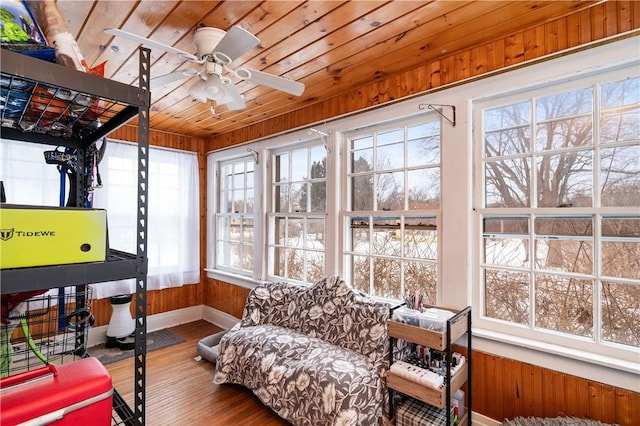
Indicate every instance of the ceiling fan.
{"type": "Point", "coordinates": [216, 49]}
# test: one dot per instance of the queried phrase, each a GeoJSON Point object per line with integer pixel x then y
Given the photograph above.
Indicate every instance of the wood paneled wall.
{"type": "Point", "coordinates": [225, 297]}
{"type": "Point", "coordinates": [596, 23]}
{"type": "Point", "coordinates": [159, 301]}
{"type": "Point", "coordinates": [502, 387]}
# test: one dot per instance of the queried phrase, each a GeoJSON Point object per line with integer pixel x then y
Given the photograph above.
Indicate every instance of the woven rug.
{"type": "Point", "coordinates": [155, 340]}
{"type": "Point", "coordinates": [555, 421]}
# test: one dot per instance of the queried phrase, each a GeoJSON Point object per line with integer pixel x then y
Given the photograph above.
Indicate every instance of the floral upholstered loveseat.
{"type": "Point", "coordinates": [315, 355]}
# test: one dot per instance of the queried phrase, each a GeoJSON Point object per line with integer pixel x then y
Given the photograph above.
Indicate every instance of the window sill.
{"type": "Point", "coordinates": [619, 373]}
{"type": "Point", "coordinates": [231, 278]}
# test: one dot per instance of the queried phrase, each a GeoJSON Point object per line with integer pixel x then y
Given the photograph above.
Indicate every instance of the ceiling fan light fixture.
{"type": "Point", "coordinates": [199, 90]}
{"type": "Point", "coordinates": [214, 87]}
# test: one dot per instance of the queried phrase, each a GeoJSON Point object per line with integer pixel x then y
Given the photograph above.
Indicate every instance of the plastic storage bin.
{"type": "Point", "coordinates": [407, 316]}
{"type": "Point", "coordinates": [435, 319]}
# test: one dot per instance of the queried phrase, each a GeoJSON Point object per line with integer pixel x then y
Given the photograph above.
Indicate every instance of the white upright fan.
{"type": "Point", "coordinates": [215, 51]}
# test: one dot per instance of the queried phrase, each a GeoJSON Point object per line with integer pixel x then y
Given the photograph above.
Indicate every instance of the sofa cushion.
{"type": "Point", "coordinates": [304, 379]}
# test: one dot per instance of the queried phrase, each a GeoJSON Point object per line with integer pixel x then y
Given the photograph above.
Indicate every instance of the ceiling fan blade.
{"type": "Point", "coordinates": [275, 82]}
{"type": "Point", "coordinates": [165, 79]}
{"type": "Point", "coordinates": [150, 43]}
{"type": "Point", "coordinates": [236, 43]}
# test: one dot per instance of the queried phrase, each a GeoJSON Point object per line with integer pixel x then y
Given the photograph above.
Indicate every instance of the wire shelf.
{"type": "Point", "coordinates": [45, 329]}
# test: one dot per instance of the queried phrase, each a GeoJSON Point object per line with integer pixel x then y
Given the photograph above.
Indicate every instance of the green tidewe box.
{"type": "Point", "coordinates": [38, 236]}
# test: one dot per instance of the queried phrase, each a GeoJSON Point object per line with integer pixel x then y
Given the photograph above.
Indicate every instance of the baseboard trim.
{"type": "Point", "coordinates": [480, 420]}
{"type": "Point", "coordinates": [98, 335]}
{"type": "Point", "coordinates": [219, 318]}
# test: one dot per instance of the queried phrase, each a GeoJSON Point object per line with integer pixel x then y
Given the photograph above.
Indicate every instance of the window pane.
{"type": "Point", "coordinates": [565, 180]}
{"type": "Point", "coordinates": [566, 104]}
{"type": "Point", "coordinates": [318, 162]}
{"type": "Point", "coordinates": [362, 143]}
{"type": "Point", "coordinates": [620, 176]}
{"type": "Point", "coordinates": [390, 191]}
{"type": "Point", "coordinates": [387, 237]}
{"type": "Point", "coordinates": [621, 247]}
{"type": "Point", "coordinates": [505, 142]}
{"type": "Point", "coordinates": [247, 230]}
{"type": "Point", "coordinates": [281, 202]}
{"type": "Point", "coordinates": [507, 251]}
{"type": "Point", "coordinates": [280, 228]}
{"type": "Point", "coordinates": [620, 118]}
{"type": "Point", "coordinates": [421, 239]}
{"type": "Point", "coordinates": [386, 282]}
{"type": "Point", "coordinates": [423, 188]}
{"type": "Point", "coordinates": [564, 304]}
{"type": "Point", "coordinates": [300, 166]}
{"type": "Point", "coordinates": [315, 233]}
{"type": "Point", "coordinates": [235, 255]}
{"type": "Point", "coordinates": [621, 259]}
{"type": "Point", "coordinates": [361, 273]}
{"type": "Point", "coordinates": [298, 196]}
{"type": "Point", "coordinates": [318, 196]}
{"type": "Point", "coordinates": [390, 137]}
{"type": "Point", "coordinates": [421, 278]}
{"type": "Point", "coordinates": [508, 116]}
{"type": "Point", "coordinates": [566, 133]}
{"type": "Point", "coordinates": [249, 200]}
{"type": "Point", "coordinates": [247, 257]}
{"type": "Point", "coordinates": [282, 173]}
{"type": "Point", "coordinates": [507, 183]}
{"type": "Point", "coordinates": [507, 295]}
{"type": "Point", "coordinates": [295, 265]}
{"type": "Point", "coordinates": [564, 255]}
{"type": "Point", "coordinates": [621, 313]}
{"type": "Point", "coordinates": [360, 235]}
{"type": "Point", "coordinates": [315, 267]}
{"type": "Point", "coordinates": [390, 157]}
{"type": "Point", "coordinates": [362, 193]}
{"type": "Point", "coordinates": [568, 226]}
{"type": "Point", "coordinates": [423, 145]}
{"type": "Point", "coordinates": [279, 257]}
{"type": "Point", "coordinates": [506, 225]}
{"type": "Point", "coordinates": [362, 161]}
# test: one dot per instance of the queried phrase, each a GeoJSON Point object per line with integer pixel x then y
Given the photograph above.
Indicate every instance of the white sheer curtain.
{"type": "Point", "coordinates": [173, 245]}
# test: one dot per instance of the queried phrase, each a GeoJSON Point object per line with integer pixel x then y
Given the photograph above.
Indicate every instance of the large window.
{"type": "Point", "coordinates": [235, 217]}
{"type": "Point", "coordinates": [297, 220]}
{"type": "Point", "coordinates": [561, 215]}
{"type": "Point", "coordinates": [173, 205]}
{"type": "Point", "coordinates": [393, 179]}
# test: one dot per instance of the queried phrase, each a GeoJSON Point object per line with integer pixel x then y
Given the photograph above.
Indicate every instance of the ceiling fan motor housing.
{"type": "Point", "coordinates": [206, 39]}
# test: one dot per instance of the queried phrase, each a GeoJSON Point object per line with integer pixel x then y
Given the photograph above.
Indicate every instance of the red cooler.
{"type": "Point", "coordinates": [77, 393]}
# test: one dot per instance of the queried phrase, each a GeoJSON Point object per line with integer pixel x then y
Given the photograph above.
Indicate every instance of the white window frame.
{"type": "Point", "coordinates": [403, 214]}
{"type": "Point", "coordinates": [304, 216]}
{"type": "Point", "coordinates": [621, 357]}
{"type": "Point", "coordinates": [242, 217]}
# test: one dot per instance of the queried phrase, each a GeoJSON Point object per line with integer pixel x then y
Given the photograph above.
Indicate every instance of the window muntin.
{"type": "Point", "coordinates": [545, 268]}
{"type": "Point", "coordinates": [297, 222]}
{"type": "Point", "coordinates": [235, 217]}
{"type": "Point", "coordinates": [391, 223]}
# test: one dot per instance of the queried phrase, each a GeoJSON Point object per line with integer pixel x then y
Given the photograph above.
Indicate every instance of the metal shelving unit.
{"type": "Point", "coordinates": [457, 326]}
{"type": "Point", "coordinates": [112, 105]}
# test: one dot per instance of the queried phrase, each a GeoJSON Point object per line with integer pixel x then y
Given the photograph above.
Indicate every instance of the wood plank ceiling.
{"type": "Point", "coordinates": [330, 46]}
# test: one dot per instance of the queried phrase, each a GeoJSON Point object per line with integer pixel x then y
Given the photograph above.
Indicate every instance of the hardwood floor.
{"type": "Point", "coordinates": [180, 390]}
